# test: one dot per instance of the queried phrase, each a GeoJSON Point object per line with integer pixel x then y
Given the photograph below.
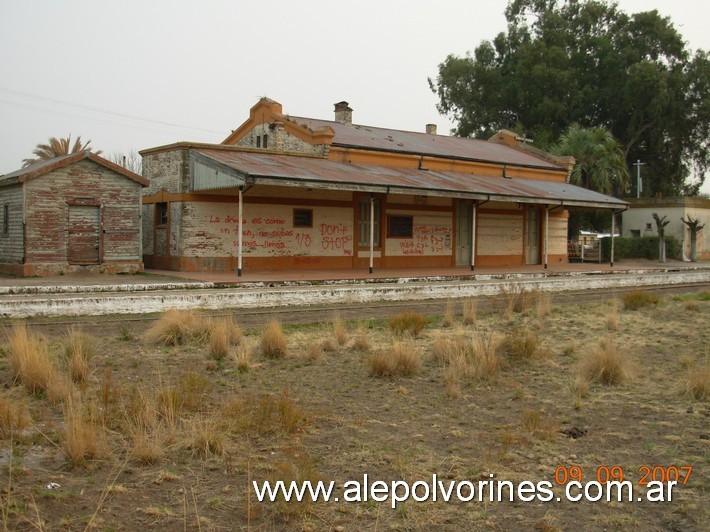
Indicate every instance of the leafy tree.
{"type": "Point", "coordinates": [57, 147]}
{"type": "Point", "coordinates": [587, 62]}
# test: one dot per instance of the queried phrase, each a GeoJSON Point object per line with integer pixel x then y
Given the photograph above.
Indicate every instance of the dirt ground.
{"type": "Point", "coordinates": [318, 413]}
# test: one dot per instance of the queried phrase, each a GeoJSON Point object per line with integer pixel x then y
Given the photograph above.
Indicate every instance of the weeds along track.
{"type": "Point", "coordinates": [351, 312]}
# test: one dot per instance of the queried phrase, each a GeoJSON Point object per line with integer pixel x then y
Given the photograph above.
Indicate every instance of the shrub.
{"type": "Point", "coordinates": [645, 247]}
{"type": "Point", "coordinates": [407, 323]}
{"type": "Point", "coordinates": [606, 364]}
{"type": "Point", "coordinates": [637, 299]}
{"type": "Point", "coordinates": [273, 341]}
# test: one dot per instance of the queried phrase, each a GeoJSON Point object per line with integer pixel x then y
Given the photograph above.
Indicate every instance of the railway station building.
{"type": "Point", "coordinates": [285, 192]}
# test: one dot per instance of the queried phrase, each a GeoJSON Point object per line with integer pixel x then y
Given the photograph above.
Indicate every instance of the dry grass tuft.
{"type": "Point", "coordinates": [340, 331]}
{"type": "Point", "coordinates": [691, 305]}
{"type": "Point", "coordinates": [540, 425]}
{"type": "Point", "coordinates": [84, 438]}
{"type": "Point", "coordinates": [79, 349]}
{"type": "Point", "coordinates": [32, 365]}
{"type": "Point", "coordinates": [176, 327]}
{"type": "Point", "coordinates": [315, 351]}
{"type": "Point", "coordinates": [13, 416]}
{"type": "Point", "coordinates": [543, 304]}
{"type": "Point", "coordinates": [401, 359]}
{"type": "Point", "coordinates": [451, 383]}
{"type": "Point", "coordinates": [242, 358]}
{"type": "Point", "coordinates": [407, 323]}
{"type": "Point", "coordinates": [612, 318]}
{"type": "Point", "coordinates": [448, 318]}
{"type": "Point", "coordinates": [697, 382]}
{"type": "Point", "coordinates": [520, 344]}
{"type": "Point", "coordinates": [637, 299]}
{"type": "Point", "coordinates": [470, 311]}
{"type": "Point", "coordinates": [606, 364]}
{"type": "Point", "coordinates": [579, 388]}
{"type": "Point", "coordinates": [206, 436]}
{"type": "Point", "coordinates": [273, 340]}
{"type": "Point", "coordinates": [516, 299]}
{"type": "Point", "coordinates": [224, 333]}
{"type": "Point", "coordinates": [474, 357]}
{"type": "Point", "coordinates": [362, 339]}
{"type": "Point", "coordinates": [267, 414]}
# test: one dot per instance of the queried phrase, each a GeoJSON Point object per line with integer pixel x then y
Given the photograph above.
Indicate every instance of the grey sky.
{"type": "Point", "coordinates": [136, 74]}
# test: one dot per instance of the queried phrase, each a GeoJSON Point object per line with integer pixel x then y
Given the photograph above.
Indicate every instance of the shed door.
{"type": "Point", "coordinates": [84, 225]}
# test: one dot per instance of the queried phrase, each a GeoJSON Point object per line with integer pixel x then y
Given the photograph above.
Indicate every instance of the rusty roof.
{"type": "Point", "coordinates": [322, 173]}
{"type": "Point", "coordinates": [395, 140]}
{"type": "Point", "coordinates": [44, 167]}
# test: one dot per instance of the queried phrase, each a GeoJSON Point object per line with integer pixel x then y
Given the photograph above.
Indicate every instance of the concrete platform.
{"type": "Point", "coordinates": [158, 291]}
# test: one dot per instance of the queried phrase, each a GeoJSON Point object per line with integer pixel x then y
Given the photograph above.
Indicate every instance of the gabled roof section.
{"type": "Point", "coordinates": [268, 111]}
{"type": "Point", "coordinates": [50, 165]}
{"type": "Point", "coordinates": [316, 172]}
{"type": "Point", "coordinates": [410, 142]}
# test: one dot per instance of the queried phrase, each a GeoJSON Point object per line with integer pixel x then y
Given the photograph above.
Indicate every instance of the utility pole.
{"type": "Point", "coordinates": [639, 184]}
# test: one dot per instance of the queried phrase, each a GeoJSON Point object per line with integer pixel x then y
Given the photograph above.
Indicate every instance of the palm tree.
{"type": "Point", "coordinates": [56, 148]}
{"type": "Point", "coordinates": [600, 159]}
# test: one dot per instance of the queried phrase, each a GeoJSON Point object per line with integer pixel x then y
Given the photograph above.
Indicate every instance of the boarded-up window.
{"type": "Point", "coordinates": [400, 227]}
{"type": "Point", "coordinates": [5, 219]}
{"type": "Point", "coordinates": [303, 217]}
{"type": "Point", "coordinates": [84, 224]}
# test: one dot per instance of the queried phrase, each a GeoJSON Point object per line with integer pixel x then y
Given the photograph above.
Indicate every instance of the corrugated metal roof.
{"type": "Point", "coordinates": [394, 140]}
{"type": "Point", "coordinates": [322, 173]}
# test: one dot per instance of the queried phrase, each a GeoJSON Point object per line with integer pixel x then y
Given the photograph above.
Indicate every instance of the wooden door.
{"type": "Point", "coordinates": [84, 244]}
{"type": "Point", "coordinates": [532, 236]}
{"type": "Point", "coordinates": [463, 234]}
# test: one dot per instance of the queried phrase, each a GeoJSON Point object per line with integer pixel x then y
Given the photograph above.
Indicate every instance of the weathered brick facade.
{"type": "Point", "coordinates": [74, 213]}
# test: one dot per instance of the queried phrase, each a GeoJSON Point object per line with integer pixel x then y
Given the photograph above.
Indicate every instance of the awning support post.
{"type": "Point", "coordinates": [613, 215]}
{"type": "Point", "coordinates": [239, 237]}
{"type": "Point", "coordinates": [372, 231]}
{"type": "Point", "coordinates": [473, 235]}
{"type": "Point", "coordinates": [547, 222]}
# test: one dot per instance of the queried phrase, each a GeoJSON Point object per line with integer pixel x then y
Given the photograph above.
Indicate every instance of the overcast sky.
{"type": "Point", "coordinates": [134, 74]}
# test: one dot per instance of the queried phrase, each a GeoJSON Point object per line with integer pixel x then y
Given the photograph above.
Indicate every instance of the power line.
{"type": "Point", "coordinates": [143, 123]}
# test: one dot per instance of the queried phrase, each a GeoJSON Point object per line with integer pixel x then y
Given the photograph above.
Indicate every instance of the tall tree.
{"type": "Point", "coordinates": [57, 147]}
{"type": "Point", "coordinates": [588, 62]}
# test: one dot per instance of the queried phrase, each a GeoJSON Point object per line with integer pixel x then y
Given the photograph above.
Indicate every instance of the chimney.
{"type": "Point", "coordinates": [279, 133]}
{"type": "Point", "coordinates": [431, 129]}
{"type": "Point", "coordinates": [343, 113]}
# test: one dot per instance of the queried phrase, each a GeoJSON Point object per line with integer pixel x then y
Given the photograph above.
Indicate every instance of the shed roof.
{"type": "Point", "coordinates": [44, 167]}
{"type": "Point", "coordinates": [322, 173]}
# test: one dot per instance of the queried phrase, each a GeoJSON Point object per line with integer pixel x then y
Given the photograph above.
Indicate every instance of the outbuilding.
{"type": "Point", "coordinates": [285, 192]}
{"type": "Point", "coordinates": [77, 212]}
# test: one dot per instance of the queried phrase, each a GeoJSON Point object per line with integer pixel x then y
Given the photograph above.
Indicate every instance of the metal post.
{"type": "Point", "coordinates": [473, 235]}
{"type": "Point", "coordinates": [372, 232]}
{"type": "Point", "coordinates": [639, 184]}
{"type": "Point", "coordinates": [612, 240]}
{"type": "Point", "coordinates": [547, 220]}
{"type": "Point", "coordinates": [239, 238]}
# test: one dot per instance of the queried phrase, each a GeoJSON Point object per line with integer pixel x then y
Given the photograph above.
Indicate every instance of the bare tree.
{"type": "Point", "coordinates": [695, 226]}
{"type": "Point", "coordinates": [132, 161]}
{"type": "Point", "coordinates": [661, 224]}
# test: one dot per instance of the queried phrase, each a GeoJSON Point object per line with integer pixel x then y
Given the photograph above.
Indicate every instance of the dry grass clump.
{"type": "Point", "coordinates": [401, 359]}
{"type": "Point", "coordinates": [13, 416]}
{"type": "Point", "coordinates": [242, 358]}
{"type": "Point", "coordinates": [267, 414]}
{"type": "Point", "coordinates": [697, 382]}
{"type": "Point", "coordinates": [579, 388]}
{"type": "Point", "coordinates": [637, 299]}
{"type": "Point", "coordinates": [84, 437]}
{"type": "Point", "coordinates": [539, 424]}
{"type": "Point", "coordinates": [606, 364]}
{"type": "Point", "coordinates": [407, 323]}
{"type": "Point", "coordinates": [691, 305]}
{"type": "Point", "coordinates": [448, 318]}
{"type": "Point", "coordinates": [273, 340]}
{"type": "Point", "coordinates": [520, 344]}
{"type": "Point", "coordinates": [176, 327]}
{"type": "Point", "coordinates": [32, 365]}
{"type": "Point", "coordinates": [206, 436]}
{"type": "Point", "coordinates": [543, 304]}
{"type": "Point", "coordinates": [340, 331]}
{"type": "Point", "coordinates": [470, 311]}
{"type": "Point", "coordinates": [223, 333]}
{"type": "Point", "coordinates": [612, 318]}
{"type": "Point", "coordinates": [362, 339]}
{"type": "Point", "coordinates": [315, 351]}
{"type": "Point", "coordinates": [465, 357]}
{"type": "Point", "coordinates": [516, 299]}
{"type": "Point", "coordinates": [79, 349]}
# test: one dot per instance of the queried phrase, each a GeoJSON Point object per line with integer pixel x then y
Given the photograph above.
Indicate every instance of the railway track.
{"type": "Point", "coordinates": [350, 312]}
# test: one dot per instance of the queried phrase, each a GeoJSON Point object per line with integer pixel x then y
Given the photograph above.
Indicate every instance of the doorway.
{"type": "Point", "coordinates": [463, 233]}
{"type": "Point", "coordinates": [84, 234]}
{"type": "Point", "coordinates": [532, 236]}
